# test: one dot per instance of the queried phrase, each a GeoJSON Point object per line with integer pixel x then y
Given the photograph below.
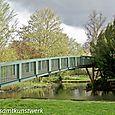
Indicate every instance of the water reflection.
{"type": "Point", "coordinates": [57, 91]}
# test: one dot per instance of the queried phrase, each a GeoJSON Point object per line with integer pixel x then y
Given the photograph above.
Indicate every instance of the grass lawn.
{"type": "Point", "coordinates": [60, 107]}
{"type": "Point", "coordinates": [80, 77]}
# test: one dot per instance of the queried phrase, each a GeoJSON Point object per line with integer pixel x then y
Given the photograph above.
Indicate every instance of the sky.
{"type": "Point", "coordinates": [73, 13]}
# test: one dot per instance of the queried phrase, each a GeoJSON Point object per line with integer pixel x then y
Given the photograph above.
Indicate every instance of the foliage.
{"type": "Point", "coordinates": [5, 18]}
{"type": "Point", "coordinates": [74, 72]}
{"type": "Point", "coordinates": [75, 48]}
{"type": "Point", "coordinates": [51, 79]}
{"type": "Point", "coordinates": [8, 54]}
{"type": "Point", "coordinates": [105, 52]}
{"type": "Point", "coordinates": [45, 19]}
{"type": "Point", "coordinates": [43, 37]}
{"type": "Point", "coordinates": [7, 28]}
{"type": "Point", "coordinates": [24, 50]}
{"type": "Point", "coordinates": [101, 43]}
{"type": "Point", "coordinates": [43, 34]}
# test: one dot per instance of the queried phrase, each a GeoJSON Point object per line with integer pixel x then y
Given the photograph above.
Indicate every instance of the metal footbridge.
{"type": "Point", "coordinates": [17, 71]}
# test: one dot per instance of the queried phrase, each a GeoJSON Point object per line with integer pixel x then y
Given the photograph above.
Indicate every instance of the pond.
{"type": "Point", "coordinates": [71, 91]}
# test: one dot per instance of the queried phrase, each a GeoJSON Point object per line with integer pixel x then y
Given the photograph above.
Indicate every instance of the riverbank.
{"type": "Point", "coordinates": [72, 87]}
{"type": "Point", "coordinates": [59, 107]}
{"type": "Point", "coordinates": [75, 81]}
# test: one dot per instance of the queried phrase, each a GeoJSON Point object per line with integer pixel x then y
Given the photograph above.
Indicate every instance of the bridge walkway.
{"type": "Point", "coordinates": [17, 71]}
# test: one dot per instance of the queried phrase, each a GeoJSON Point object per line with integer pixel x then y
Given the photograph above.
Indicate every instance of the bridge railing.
{"type": "Point", "coordinates": [11, 72]}
{"type": "Point", "coordinates": [85, 61]}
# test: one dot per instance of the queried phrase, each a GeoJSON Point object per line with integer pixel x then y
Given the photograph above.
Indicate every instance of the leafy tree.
{"type": "Point", "coordinates": [58, 46]}
{"type": "Point", "coordinates": [43, 33]}
{"type": "Point", "coordinates": [104, 52]}
{"type": "Point", "coordinates": [8, 54]}
{"type": "Point", "coordinates": [45, 19]}
{"type": "Point", "coordinates": [104, 58]}
{"type": "Point", "coordinates": [23, 50]}
{"type": "Point", "coordinates": [75, 48]}
{"type": "Point", "coordinates": [7, 28]}
{"type": "Point", "coordinates": [94, 44]}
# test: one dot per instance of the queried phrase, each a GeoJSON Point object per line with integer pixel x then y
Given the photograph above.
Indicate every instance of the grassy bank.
{"type": "Point", "coordinates": [61, 107]}
{"type": "Point", "coordinates": [76, 77]}
{"type": "Point", "coordinates": [45, 82]}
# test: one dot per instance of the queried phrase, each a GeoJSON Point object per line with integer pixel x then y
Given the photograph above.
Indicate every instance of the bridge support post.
{"type": "Point", "coordinates": [92, 76]}
{"type": "Point", "coordinates": [88, 73]}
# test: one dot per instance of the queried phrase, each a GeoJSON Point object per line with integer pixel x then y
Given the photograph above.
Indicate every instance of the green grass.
{"type": "Point", "coordinates": [47, 82]}
{"type": "Point", "coordinates": [61, 107]}
{"type": "Point", "coordinates": [80, 77]}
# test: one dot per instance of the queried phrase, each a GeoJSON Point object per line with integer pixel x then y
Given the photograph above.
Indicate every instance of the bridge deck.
{"type": "Point", "coordinates": [12, 72]}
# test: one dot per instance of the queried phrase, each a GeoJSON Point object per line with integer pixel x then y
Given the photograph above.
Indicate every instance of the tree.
{"type": "Point", "coordinates": [45, 19]}
{"type": "Point", "coordinates": [104, 58]}
{"type": "Point", "coordinates": [75, 48]}
{"type": "Point", "coordinates": [104, 52]}
{"type": "Point", "coordinates": [6, 28]}
{"type": "Point", "coordinates": [93, 27]}
{"type": "Point", "coordinates": [8, 54]}
{"type": "Point", "coordinates": [23, 50]}
{"type": "Point", "coordinates": [43, 33]}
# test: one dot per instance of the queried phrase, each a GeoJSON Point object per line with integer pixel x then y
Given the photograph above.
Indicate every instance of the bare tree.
{"type": "Point", "coordinates": [93, 28]}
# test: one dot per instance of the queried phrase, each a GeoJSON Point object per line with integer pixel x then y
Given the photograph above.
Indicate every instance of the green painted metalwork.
{"type": "Point", "coordinates": [11, 72]}
{"type": "Point", "coordinates": [72, 62]}
{"type": "Point", "coordinates": [64, 63]}
{"type": "Point", "coordinates": [54, 64]}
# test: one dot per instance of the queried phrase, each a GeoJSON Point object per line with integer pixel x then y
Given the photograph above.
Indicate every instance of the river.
{"type": "Point", "coordinates": [71, 91]}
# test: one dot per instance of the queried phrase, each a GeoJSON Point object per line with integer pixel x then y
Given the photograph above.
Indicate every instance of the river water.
{"type": "Point", "coordinates": [57, 91]}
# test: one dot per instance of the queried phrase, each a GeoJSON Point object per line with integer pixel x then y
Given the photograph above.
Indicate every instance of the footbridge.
{"type": "Point", "coordinates": [17, 71]}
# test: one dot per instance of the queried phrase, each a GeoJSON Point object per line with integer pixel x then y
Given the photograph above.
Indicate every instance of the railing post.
{"type": "Point", "coordinates": [59, 64]}
{"type": "Point", "coordinates": [75, 62]}
{"type": "Point", "coordinates": [16, 74]}
{"type": "Point", "coordinates": [68, 62]}
{"type": "Point", "coordinates": [20, 71]}
{"type": "Point", "coordinates": [36, 68]}
{"type": "Point", "coordinates": [49, 66]}
{"type": "Point", "coordinates": [0, 77]}
{"type": "Point", "coordinates": [29, 66]}
{"type": "Point", "coordinates": [81, 61]}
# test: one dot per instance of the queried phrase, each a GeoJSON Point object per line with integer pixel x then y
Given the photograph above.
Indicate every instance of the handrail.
{"type": "Point", "coordinates": [16, 71]}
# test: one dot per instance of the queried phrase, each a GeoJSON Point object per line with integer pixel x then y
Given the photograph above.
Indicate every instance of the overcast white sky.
{"type": "Point", "coordinates": [74, 13]}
